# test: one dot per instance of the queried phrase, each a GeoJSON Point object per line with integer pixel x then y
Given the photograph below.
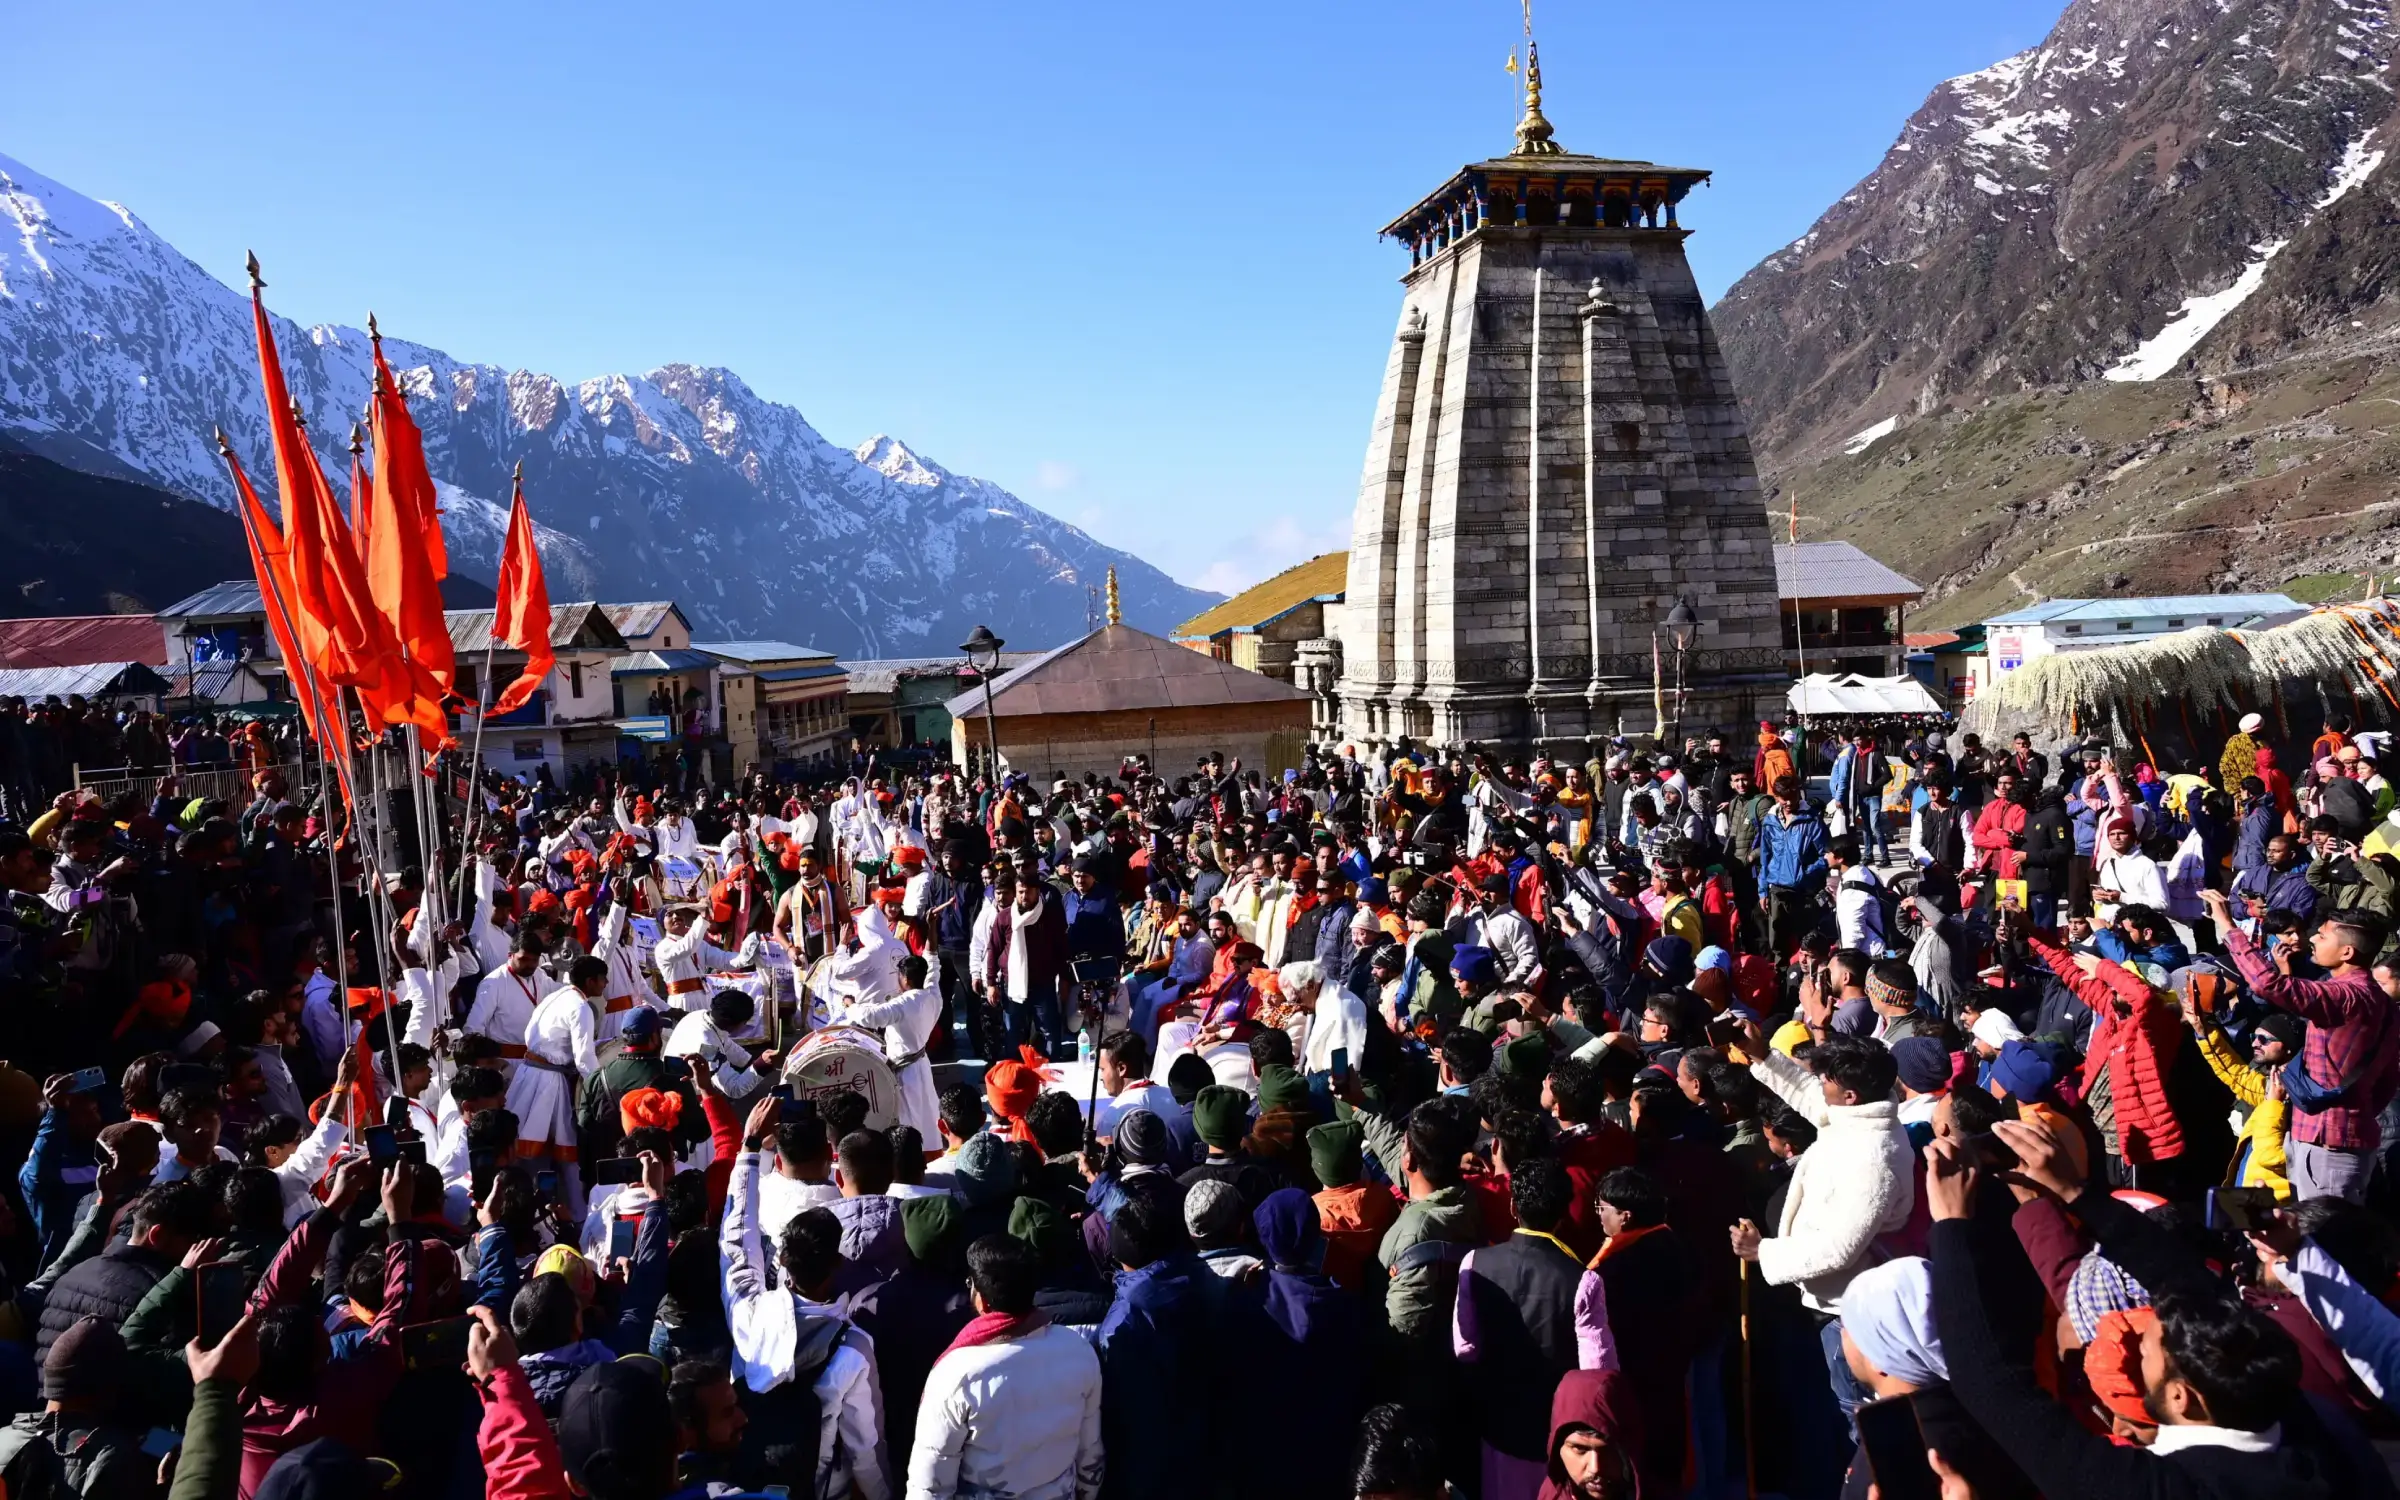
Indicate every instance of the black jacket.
{"type": "Point", "coordinates": [108, 1287]}
{"type": "Point", "coordinates": [2049, 850]}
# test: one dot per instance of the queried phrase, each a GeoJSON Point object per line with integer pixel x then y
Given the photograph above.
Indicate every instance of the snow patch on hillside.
{"type": "Point", "coordinates": [2199, 316]}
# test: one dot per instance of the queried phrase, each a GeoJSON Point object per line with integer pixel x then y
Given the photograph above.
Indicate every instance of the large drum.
{"type": "Point", "coordinates": [846, 1060]}
{"type": "Point", "coordinates": [683, 879]}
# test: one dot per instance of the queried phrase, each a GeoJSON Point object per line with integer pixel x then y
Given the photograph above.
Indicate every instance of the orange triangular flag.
{"type": "Point", "coordinates": [333, 616]}
{"type": "Point", "coordinates": [522, 617]}
{"type": "Point", "coordinates": [405, 444]}
{"type": "Point", "coordinates": [400, 575]}
{"type": "Point", "coordinates": [318, 708]}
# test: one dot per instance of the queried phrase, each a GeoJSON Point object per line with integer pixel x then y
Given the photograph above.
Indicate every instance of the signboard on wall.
{"type": "Point", "coordinates": [2008, 650]}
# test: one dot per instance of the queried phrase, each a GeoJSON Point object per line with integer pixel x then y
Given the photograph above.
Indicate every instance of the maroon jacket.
{"type": "Point", "coordinates": [1045, 945]}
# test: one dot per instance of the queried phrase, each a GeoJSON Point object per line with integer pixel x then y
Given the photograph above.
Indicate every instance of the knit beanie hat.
{"type": "Point", "coordinates": [1335, 1152]}
{"type": "Point", "coordinates": [1043, 1227]}
{"type": "Point", "coordinates": [86, 1361]}
{"type": "Point", "coordinates": [1212, 1212]}
{"type": "Point", "coordinates": [1526, 1057]}
{"type": "Point", "coordinates": [987, 1171]}
{"type": "Point", "coordinates": [931, 1226]}
{"type": "Point", "coordinates": [1281, 1087]}
{"type": "Point", "coordinates": [1221, 1116]}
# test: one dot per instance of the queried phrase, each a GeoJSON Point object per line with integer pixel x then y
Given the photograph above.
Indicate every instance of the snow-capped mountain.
{"type": "Point", "coordinates": [119, 355]}
{"type": "Point", "coordinates": [2119, 314]}
{"type": "Point", "coordinates": [2094, 206]}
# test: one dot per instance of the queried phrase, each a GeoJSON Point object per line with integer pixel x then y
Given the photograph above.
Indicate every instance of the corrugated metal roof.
{"type": "Point", "coordinates": [798, 674]}
{"type": "Point", "coordinates": [78, 640]}
{"type": "Point", "coordinates": [582, 624]}
{"type": "Point", "coordinates": [639, 618]}
{"type": "Point", "coordinates": [754, 652]}
{"type": "Point", "coordinates": [1836, 570]}
{"type": "Point", "coordinates": [885, 674]}
{"type": "Point", "coordinates": [1324, 576]}
{"type": "Point", "coordinates": [91, 680]}
{"type": "Point", "coordinates": [643, 662]}
{"type": "Point", "coordinates": [2233, 609]}
{"type": "Point", "coordinates": [1118, 668]}
{"type": "Point", "coordinates": [235, 596]}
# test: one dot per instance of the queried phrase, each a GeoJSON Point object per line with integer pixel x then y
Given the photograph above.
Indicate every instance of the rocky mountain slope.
{"type": "Point", "coordinates": [2130, 287]}
{"type": "Point", "coordinates": [118, 355]}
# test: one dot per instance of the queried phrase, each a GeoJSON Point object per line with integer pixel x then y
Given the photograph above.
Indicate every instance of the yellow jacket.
{"type": "Point", "coordinates": [2260, 1158]}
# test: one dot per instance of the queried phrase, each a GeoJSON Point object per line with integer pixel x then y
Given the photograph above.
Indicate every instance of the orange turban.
{"type": "Point", "coordinates": [543, 901]}
{"type": "Point", "coordinates": [909, 855]}
{"type": "Point", "coordinates": [2112, 1362]}
{"type": "Point", "coordinates": [1011, 1087]}
{"type": "Point", "coordinates": [649, 1108]}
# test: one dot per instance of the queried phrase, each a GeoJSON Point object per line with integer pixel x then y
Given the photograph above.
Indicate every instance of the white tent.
{"type": "Point", "coordinates": [1825, 695]}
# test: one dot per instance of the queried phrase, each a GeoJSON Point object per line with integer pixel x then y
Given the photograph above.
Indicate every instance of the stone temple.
{"type": "Point", "coordinates": [1558, 461]}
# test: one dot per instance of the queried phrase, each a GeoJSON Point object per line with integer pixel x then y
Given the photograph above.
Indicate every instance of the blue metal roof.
{"type": "Point", "coordinates": [758, 651]}
{"type": "Point", "coordinates": [799, 674]}
{"type": "Point", "coordinates": [2227, 607]}
{"type": "Point", "coordinates": [235, 596]}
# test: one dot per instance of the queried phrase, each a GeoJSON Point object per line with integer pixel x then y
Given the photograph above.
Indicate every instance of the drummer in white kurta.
{"type": "Point", "coordinates": [559, 1054]}
{"type": "Point", "coordinates": [908, 1021]}
{"type": "Point", "coordinates": [685, 957]}
{"type": "Point", "coordinates": [505, 1000]}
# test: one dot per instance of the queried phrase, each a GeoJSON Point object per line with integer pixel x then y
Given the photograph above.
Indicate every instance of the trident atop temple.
{"type": "Point", "coordinates": [1533, 131]}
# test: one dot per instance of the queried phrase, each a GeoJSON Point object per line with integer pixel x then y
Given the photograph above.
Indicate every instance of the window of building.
{"type": "Point", "coordinates": [2216, 619]}
{"type": "Point", "coordinates": [2074, 630]}
{"type": "Point", "coordinates": [575, 678]}
{"type": "Point", "coordinates": [2124, 624]}
{"type": "Point", "coordinates": [2174, 624]}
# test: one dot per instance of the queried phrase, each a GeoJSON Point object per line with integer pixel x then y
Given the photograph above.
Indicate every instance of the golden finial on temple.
{"type": "Point", "coordinates": [1533, 131]}
{"type": "Point", "coordinates": [1115, 617]}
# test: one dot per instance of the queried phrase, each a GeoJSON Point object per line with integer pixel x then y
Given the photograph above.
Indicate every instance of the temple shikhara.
{"type": "Point", "coordinates": [1559, 531]}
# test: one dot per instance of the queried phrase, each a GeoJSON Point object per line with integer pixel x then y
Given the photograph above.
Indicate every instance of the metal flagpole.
{"type": "Point", "coordinates": [298, 667]}
{"type": "Point", "coordinates": [379, 898]}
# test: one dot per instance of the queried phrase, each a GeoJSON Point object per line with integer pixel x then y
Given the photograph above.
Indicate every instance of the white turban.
{"type": "Point", "coordinates": [2250, 723]}
{"type": "Point", "coordinates": [1995, 1030]}
{"type": "Point", "coordinates": [1888, 1312]}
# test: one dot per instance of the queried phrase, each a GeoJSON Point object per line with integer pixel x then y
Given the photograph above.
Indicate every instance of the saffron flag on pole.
{"type": "Point", "coordinates": [333, 617]}
{"type": "Point", "coordinates": [318, 707]}
{"type": "Point", "coordinates": [522, 616]}
{"type": "Point", "coordinates": [399, 563]}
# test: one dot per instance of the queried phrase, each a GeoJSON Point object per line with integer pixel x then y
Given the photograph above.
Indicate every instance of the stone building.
{"type": "Point", "coordinates": [1558, 459]}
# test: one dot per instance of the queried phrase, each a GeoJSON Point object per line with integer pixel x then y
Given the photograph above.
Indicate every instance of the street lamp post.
{"type": "Point", "coordinates": [984, 643]}
{"type": "Point", "coordinates": [1681, 625]}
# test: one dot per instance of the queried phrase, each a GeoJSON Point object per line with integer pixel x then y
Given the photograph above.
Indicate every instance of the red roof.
{"type": "Point", "coordinates": [81, 641]}
{"type": "Point", "coordinates": [1926, 640]}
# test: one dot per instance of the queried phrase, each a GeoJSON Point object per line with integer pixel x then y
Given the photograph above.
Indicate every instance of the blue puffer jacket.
{"type": "Point", "coordinates": [1792, 854]}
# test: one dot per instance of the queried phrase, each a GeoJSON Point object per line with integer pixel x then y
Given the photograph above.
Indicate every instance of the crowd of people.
{"type": "Point", "coordinates": [1810, 1116]}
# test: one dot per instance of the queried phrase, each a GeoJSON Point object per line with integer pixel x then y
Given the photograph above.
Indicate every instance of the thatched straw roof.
{"type": "Point", "coordinates": [2344, 658]}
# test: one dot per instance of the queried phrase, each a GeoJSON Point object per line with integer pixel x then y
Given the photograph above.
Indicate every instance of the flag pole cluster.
{"type": "Point", "coordinates": [354, 601]}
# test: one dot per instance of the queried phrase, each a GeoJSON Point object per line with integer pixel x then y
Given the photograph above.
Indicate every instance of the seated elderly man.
{"type": "Point", "coordinates": [1330, 1018]}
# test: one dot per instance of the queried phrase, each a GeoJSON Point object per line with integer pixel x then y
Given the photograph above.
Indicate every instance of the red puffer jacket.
{"type": "Point", "coordinates": [2134, 1034]}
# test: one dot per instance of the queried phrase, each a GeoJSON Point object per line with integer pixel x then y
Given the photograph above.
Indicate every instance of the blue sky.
{"type": "Point", "coordinates": [1121, 260]}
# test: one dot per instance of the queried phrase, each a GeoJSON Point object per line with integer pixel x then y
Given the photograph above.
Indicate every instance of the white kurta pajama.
{"type": "Point", "coordinates": [503, 1008]}
{"type": "Point", "coordinates": [559, 1054]}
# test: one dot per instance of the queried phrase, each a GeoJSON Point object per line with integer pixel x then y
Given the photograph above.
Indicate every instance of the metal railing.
{"type": "Point", "coordinates": [216, 783]}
